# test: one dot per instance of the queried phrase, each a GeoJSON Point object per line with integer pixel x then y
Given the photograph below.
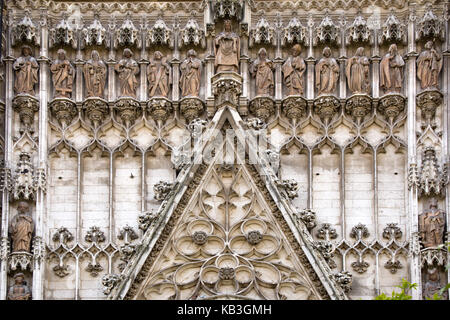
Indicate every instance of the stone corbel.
{"type": "Point", "coordinates": [391, 105]}
{"type": "Point", "coordinates": [159, 109]}
{"type": "Point", "coordinates": [428, 101]}
{"type": "Point", "coordinates": [359, 106]}
{"type": "Point", "coordinates": [262, 107]}
{"type": "Point", "coordinates": [227, 87]}
{"type": "Point", "coordinates": [64, 110]}
{"type": "Point", "coordinates": [26, 106]}
{"type": "Point", "coordinates": [191, 108]}
{"type": "Point", "coordinates": [294, 108]}
{"type": "Point", "coordinates": [96, 109]}
{"type": "Point", "coordinates": [128, 110]}
{"type": "Point", "coordinates": [326, 107]}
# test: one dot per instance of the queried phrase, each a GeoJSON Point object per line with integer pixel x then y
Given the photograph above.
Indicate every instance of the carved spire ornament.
{"type": "Point", "coordinates": [432, 180]}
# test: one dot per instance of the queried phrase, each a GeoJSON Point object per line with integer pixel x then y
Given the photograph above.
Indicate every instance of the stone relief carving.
{"type": "Point", "coordinates": [357, 72]}
{"type": "Point", "coordinates": [94, 34]}
{"type": "Point", "coordinates": [327, 73]}
{"type": "Point", "coordinates": [392, 30]}
{"type": "Point", "coordinates": [162, 189]}
{"type": "Point", "coordinates": [22, 228]}
{"type": "Point", "coordinates": [262, 107]}
{"type": "Point", "coordinates": [391, 106]}
{"type": "Point", "coordinates": [94, 234]}
{"type": "Point", "coordinates": [146, 219]}
{"type": "Point", "coordinates": [227, 9]}
{"type": "Point", "coordinates": [191, 71]}
{"type": "Point", "coordinates": [191, 108]}
{"type": "Point", "coordinates": [26, 68]}
{"type": "Point", "coordinates": [262, 69]}
{"type": "Point", "coordinates": [308, 217]}
{"type": "Point", "coordinates": [293, 70]}
{"type": "Point", "coordinates": [109, 281]}
{"type": "Point", "coordinates": [127, 68]}
{"type": "Point", "coordinates": [358, 31]}
{"type": "Point", "coordinates": [94, 71]}
{"type": "Point", "coordinates": [159, 76]}
{"type": "Point", "coordinates": [429, 65]}
{"type": "Point", "coordinates": [345, 280]}
{"type": "Point", "coordinates": [26, 106]}
{"type": "Point", "coordinates": [127, 250]}
{"type": "Point", "coordinates": [326, 32]}
{"type": "Point", "coordinates": [63, 34]}
{"type": "Point", "coordinates": [294, 32]}
{"type": "Point", "coordinates": [19, 290]}
{"type": "Point", "coordinates": [25, 31]}
{"type": "Point", "coordinates": [127, 35]}
{"type": "Point", "coordinates": [432, 180]}
{"type": "Point", "coordinates": [227, 87]}
{"type": "Point", "coordinates": [227, 49]}
{"type": "Point", "coordinates": [64, 111]}
{"type": "Point", "coordinates": [160, 34]}
{"type": "Point", "coordinates": [290, 186]}
{"type": "Point", "coordinates": [391, 71]}
{"type": "Point", "coordinates": [62, 75]}
{"type": "Point", "coordinates": [263, 33]}
{"type": "Point", "coordinates": [430, 26]}
{"type": "Point", "coordinates": [24, 186]}
{"type": "Point", "coordinates": [128, 110]}
{"type": "Point", "coordinates": [432, 225]}
{"type": "Point", "coordinates": [428, 101]}
{"type": "Point", "coordinates": [192, 34]}
{"type": "Point", "coordinates": [433, 284]}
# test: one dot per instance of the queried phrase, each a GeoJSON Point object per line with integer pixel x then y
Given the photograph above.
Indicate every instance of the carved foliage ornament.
{"type": "Point", "coordinates": [64, 110]}
{"type": "Point", "coordinates": [263, 33]}
{"type": "Point", "coordinates": [162, 190]}
{"type": "Point", "coordinates": [391, 106]}
{"type": "Point", "coordinates": [25, 31]}
{"type": "Point", "coordinates": [262, 107]}
{"type": "Point", "coordinates": [26, 106]}
{"type": "Point", "coordinates": [192, 34]}
{"type": "Point", "coordinates": [63, 34]}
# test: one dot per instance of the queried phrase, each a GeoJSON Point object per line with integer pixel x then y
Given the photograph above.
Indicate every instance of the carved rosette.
{"type": "Point", "coordinates": [358, 106]}
{"type": "Point", "coordinates": [62, 34]}
{"type": "Point", "coordinates": [192, 34]}
{"type": "Point", "coordinates": [294, 108]}
{"type": "Point", "coordinates": [227, 87]}
{"type": "Point", "coordinates": [428, 101]}
{"type": "Point", "coordinates": [391, 105]}
{"type": "Point", "coordinates": [128, 109]}
{"type": "Point", "coordinates": [159, 108]}
{"type": "Point", "coordinates": [262, 107]}
{"type": "Point", "coordinates": [25, 31]}
{"type": "Point", "coordinates": [64, 110]}
{"type": "Point", "coordinates": [96, 110]}
{"type": "Point", "coordinates": [326, 107]}
{"type": "Point", "coordinates": [191, 108]}
{"type": "Point", "coordinates": [26, 106]}
{"type": "Point", "coordinates": [20, 261]}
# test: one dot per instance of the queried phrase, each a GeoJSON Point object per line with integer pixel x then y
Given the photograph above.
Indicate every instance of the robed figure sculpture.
{"type": "Point", "coordinates": [431, 225]}
{"type": "Point", "coordinates": [191, 70]}
{"type": "Point", "coordinates": [26, 68]}
{"type": "Point", "coordinates": [262, 69]}
{"type": "Point", "coordinates": [357, 72]}
{"type": "Point", "coordinates": [159, 76]}
{"type": "Point", "coordinates": [63, 73]}
{"type": "Point", "coordinates": [293, 70]}
{"type": "Point", "coordinates": [227, 49]}
{"type": "Point", "coordinates": [391, 68]}
{"type": "Point", "coordinates": [22, 227]}
{"type": "Point", "coordinates": [95, 75]}
{"type": "Point", "coordinates": [127, 69]}
{"type": "Point", "coordinates": [327, 73]}
{"type": "Point", "coordinates": [429, 65]}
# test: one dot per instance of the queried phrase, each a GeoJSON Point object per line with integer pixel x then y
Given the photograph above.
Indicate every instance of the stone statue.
{"type": "Point", "coordinates": [22, 227]}
{"type": "Point", "coordinates": [327, 73]}
{"type": "Point", "coordinates": [429, 64]}
{"type": "Point", "coordinates": [432, 283]}
{"type": "Point", "coordinates": [127, 69]}
{"type": "Point", "coordinates": [159, 75]}
{"type": "Point", "coordinates": [391, 70]}
{"type": "Point", "coordinates": [357, 72]}
{"type": "Point", "coordinates": [293, 70]}
{"type": "Point", "coordinates": [63, 73]}
{"type": "Point", "coordinates": [262, 69]}
{"type": "Point", "coordinates": [431, 225]}
{"type": "Point", "coordinates": [26, 68]}
{"type": "Point", "coordinates": [20, 290]}
{"type": "Point", "coordinates": [191, 71]}
{"type": "Point", "coordinates": [95, 75]}
{"type": "Point", "coordinates": [227, 50]}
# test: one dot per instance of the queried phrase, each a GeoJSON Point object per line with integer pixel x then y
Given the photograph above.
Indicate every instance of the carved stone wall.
{"type": "Point", "coordinates": [359, 133]}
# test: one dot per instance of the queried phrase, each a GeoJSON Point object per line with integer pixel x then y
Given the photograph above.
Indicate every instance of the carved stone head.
{"type": "Point", "coordinates": [157, 55]}
{"type": "Point", "coordinates": [95, 56]}
{"type": "Point", "coordinates": [393, 49]}
{"type": "Point", "coordinates": [61, 54]}
{"type": "Point", "coordinates": [227, 25]}
{"type": "Point", "coordinates": [23, 207]}
{"type": "Point", "coordinates": [360, 52]}
{"type": "Point", "coordinates": [19, 279]}
{"type": "Point", "coordinates": [26, 51]}
{"type": "Point", "coordinates": [326, 52]}
{"type": "Point", "coordinates": [191, 53]}
{"type": "Point", "coordinates": [127, 53]}
{"type": "Point", "coordinates": [433, 203]}
{"type": "Point", "coordinates": [429, 45]}
{"type": "Point", "coordinates": [262, 54]}
{"type": "Point", "coordinates": [296, 50]}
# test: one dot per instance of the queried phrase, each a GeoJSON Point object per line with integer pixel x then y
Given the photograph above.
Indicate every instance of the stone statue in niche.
{"type": "Point", "coordinates": [432, 283]}
{"type": "Point", "coordinates": [159, 76]}
{"type": "Point", "coordinates": [22, 227]}
{"type": "Point", "coordinates": [227, 49]}
{"type": "Point", "coordinates": [293, 70]}
{"type": "Point", "coordinates": [19, 290]}
{"type": "Point", "coordinates": [26, 68]}
{"type": "Point", "coordinates": [63, 73]}
{"type": "Point", "coordinates": [262, 69]}
{"type": "Point", "coordinates": [95, 75]}
{"type": "Point", "coordinates": [191, 70]}
{"type": "Point", "coordinates": [327, 73]}
{"type": "Point", "coordinates": [357, 72]}
{"type": "Point", "coordinates": [431, 225]}
{"type": "Point", "coordinates": [429, 65]}
{"type": "Point", "coordinates": [127, 69]}
{"type": "Point", "coordinates": [391, 66]}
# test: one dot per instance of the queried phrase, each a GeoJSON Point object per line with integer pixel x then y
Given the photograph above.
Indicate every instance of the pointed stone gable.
{"type": "Point", "coordinates": [226, 231]}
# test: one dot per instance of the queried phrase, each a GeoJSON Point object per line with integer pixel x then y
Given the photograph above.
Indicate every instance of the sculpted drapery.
{"type": "Point", "coordinates": [357, 72]}
{"type": "Point", "coordinates": [227, 50]}
{"type": "Point", "coordinates": [63, 73]}
{"type": "Point", "coordinates": [127, 69]}
{"type": "Point", "coordinates": [26, 68]}
{"type": "Point", "coordinates": [429, 65]}
{"type": "Point", "coordinates": [431, 225]}
{"type": "Point", "coordinates": [293, 70]}
{"type": "Point", "coordinates": [159, 76]}
{"type": "Point", "coordinates": [262, 70]}
{"type": "Point", "coordinates": [95, 76]}
{"type": "Point", "coordinates": [327, 73]}
{"type": "Point", "coordinates": [191, 70]}
{"type": "Point", "coordinates": [22, 227]}
{"type": "Point", "coordinates": [20, 290]}
{"type": "Point", "coordinates": [391, 70]}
